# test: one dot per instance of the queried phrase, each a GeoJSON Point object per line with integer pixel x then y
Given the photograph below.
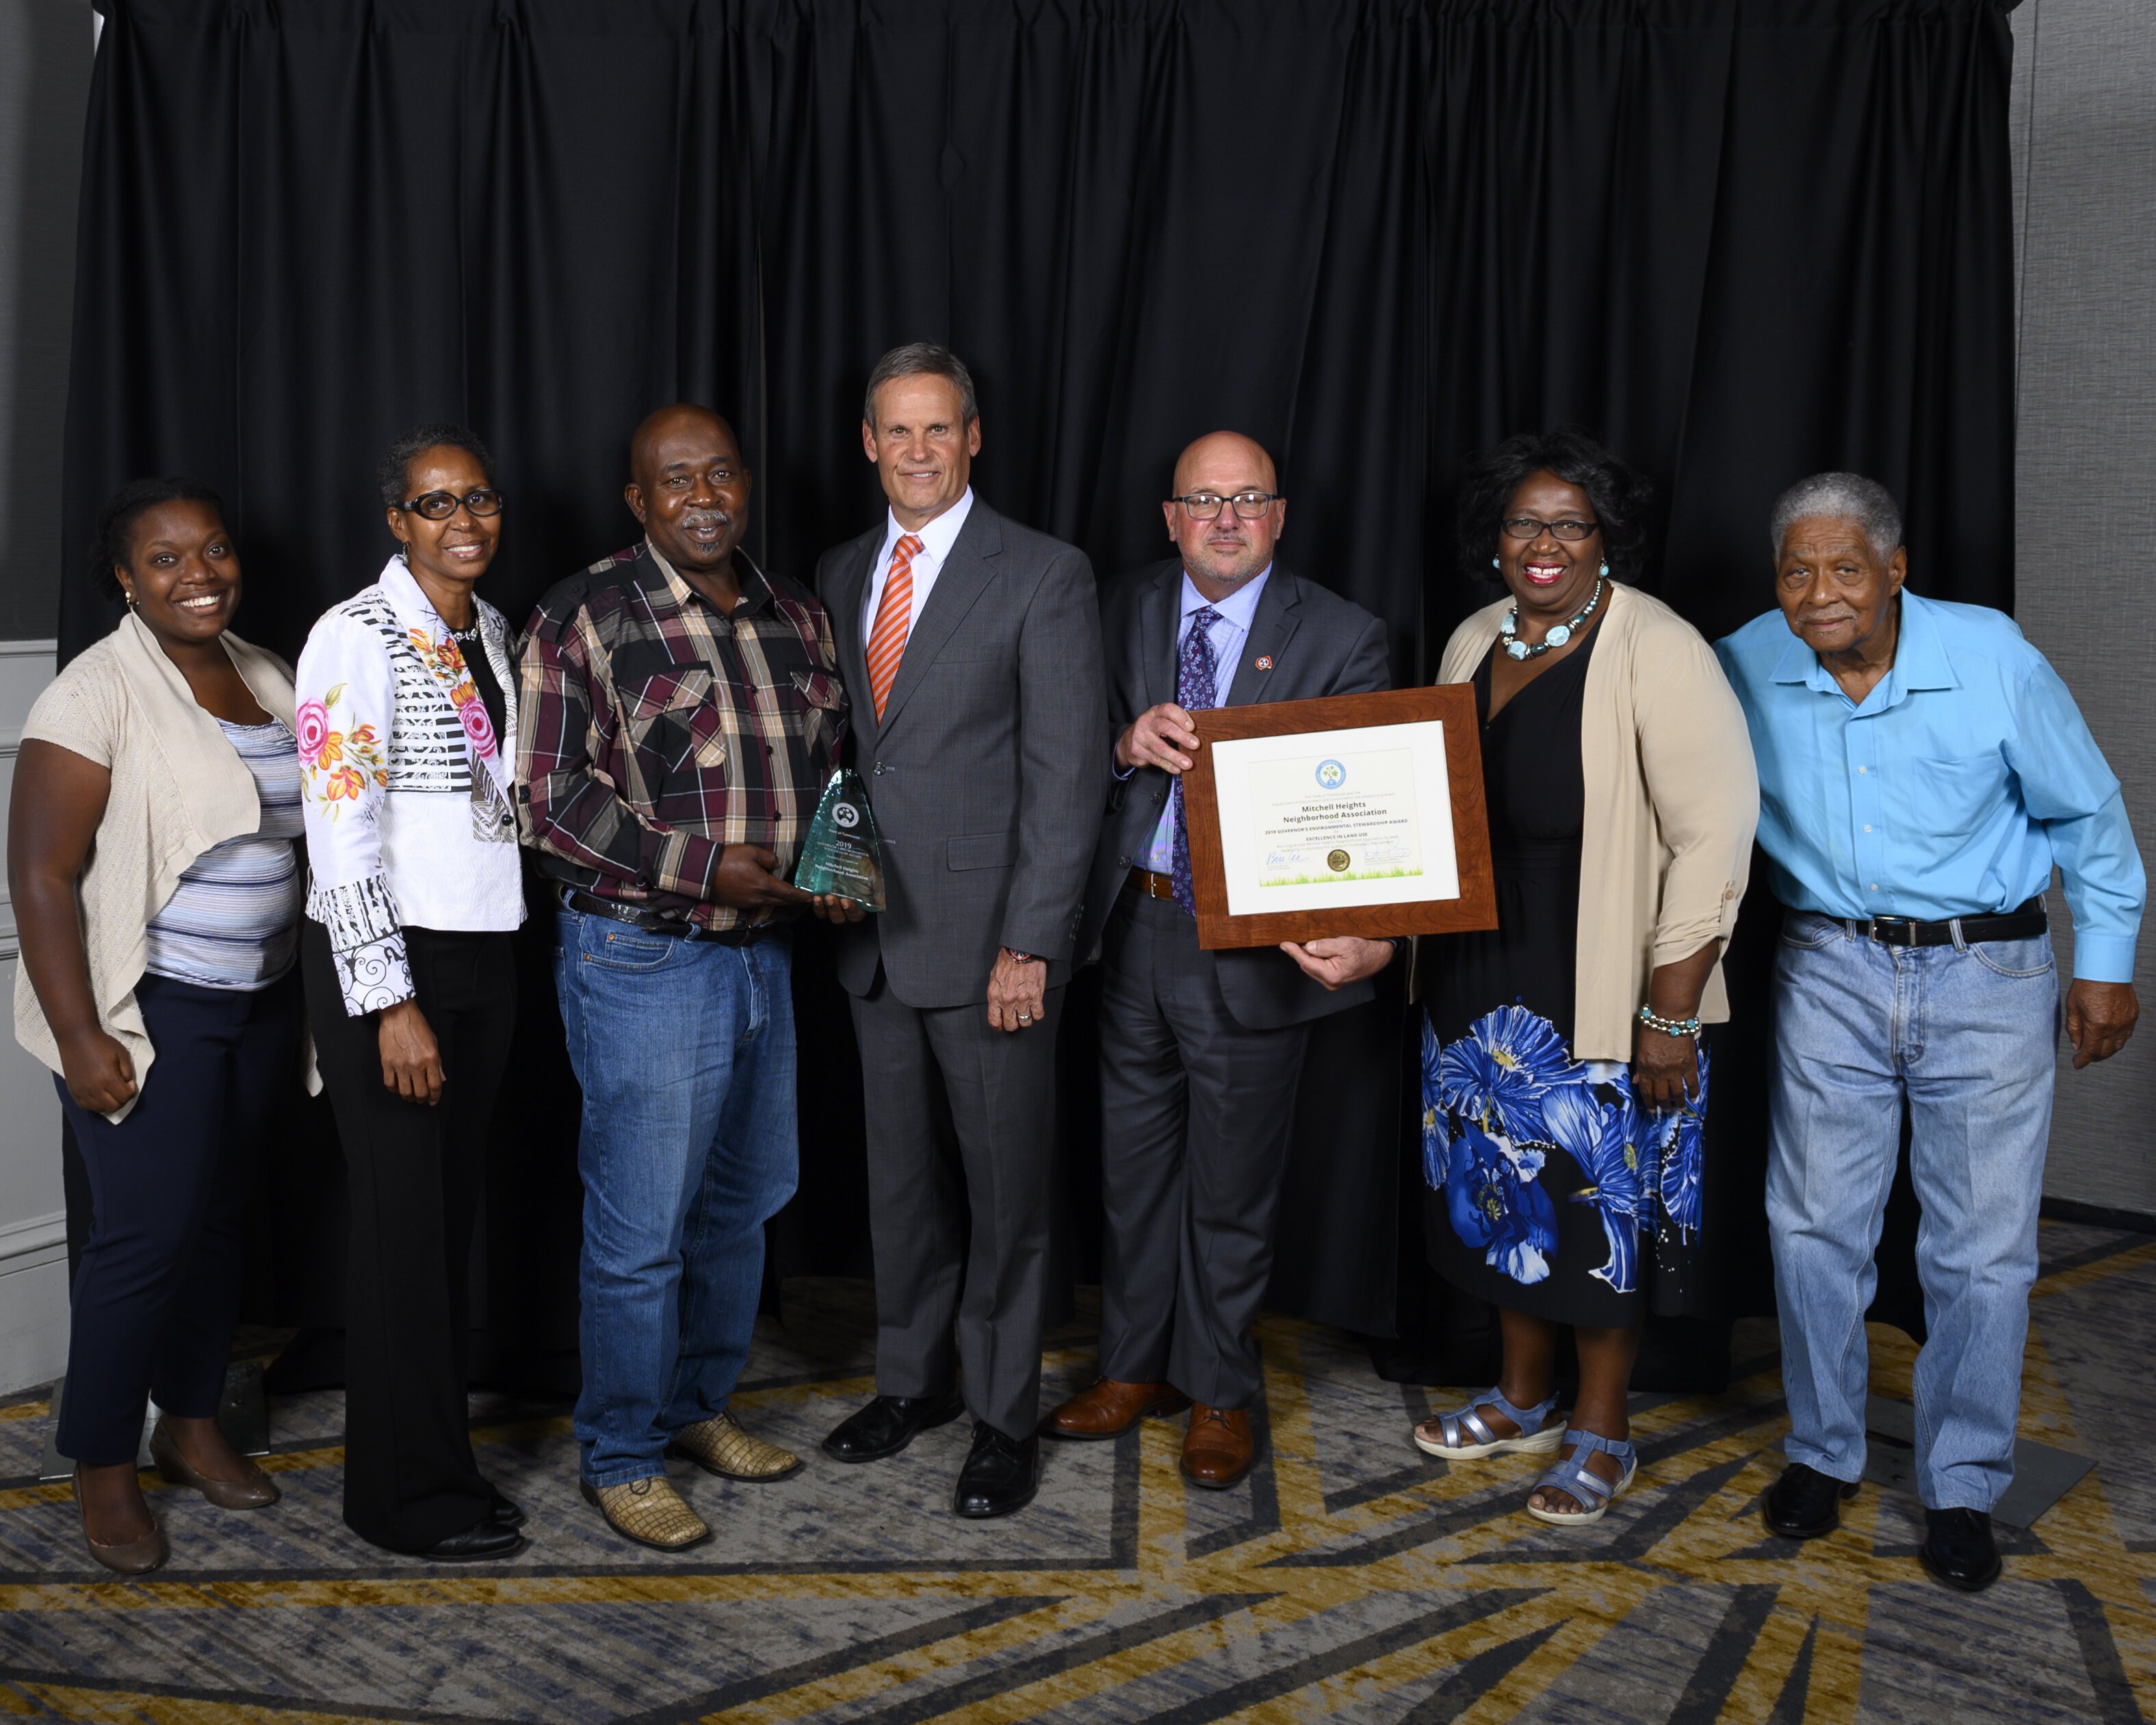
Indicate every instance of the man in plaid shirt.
{"type": "Point", "coordinates": [679, 715]}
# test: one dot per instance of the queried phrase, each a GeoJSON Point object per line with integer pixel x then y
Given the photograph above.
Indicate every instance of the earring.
{"type": "Point", "coordinates": [1495, 564]}
{"type": "Point", "coordinates": [1606, 571]}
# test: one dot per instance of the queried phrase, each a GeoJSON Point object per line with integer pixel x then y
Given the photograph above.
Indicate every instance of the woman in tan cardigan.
{"type": "Point", "coordinates": [1564, 1082]}
{"type": "Point", "coordinates": [150, 852]}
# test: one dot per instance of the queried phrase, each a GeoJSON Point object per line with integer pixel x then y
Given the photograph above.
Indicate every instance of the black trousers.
{"type": "Point", "coordinates": [416, 1174]}
{"type": "Point", "coordinates": [154, 1299]}
{"type": "Point", "coordinates": [1196, 1115]}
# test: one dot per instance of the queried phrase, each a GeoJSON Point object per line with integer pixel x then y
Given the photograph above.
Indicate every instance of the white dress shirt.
{"type": "Point", "coordinates": [937, 539]}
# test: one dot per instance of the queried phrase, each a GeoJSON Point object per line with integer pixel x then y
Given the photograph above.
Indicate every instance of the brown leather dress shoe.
{"type": "Point", "coordinates": [258, 1491]}
{"type": "Point", "coordinates": [1218, 1449]}
{"type": "Point", "coordinates": [1110, 1409]}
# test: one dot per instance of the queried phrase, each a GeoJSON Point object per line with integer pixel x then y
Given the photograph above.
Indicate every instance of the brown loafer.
{"type": "Point", "coordinates": [256, 1492]}
{"type": "Point", "coordinates": [127, 1556]}
{"type": "Point", "coordinates": [1218, 1449]}
{"type": "Point", "coordinates": [1109, 1409]}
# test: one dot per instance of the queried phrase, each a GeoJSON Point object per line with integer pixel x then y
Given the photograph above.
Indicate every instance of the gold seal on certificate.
{"type": "Point", "coordinates": [1353, 814]}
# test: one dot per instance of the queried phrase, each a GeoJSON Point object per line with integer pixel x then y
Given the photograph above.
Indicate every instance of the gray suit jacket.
{"type": "Point", "coordinates": [986, 769]}
{"type": "Point", "coordinates": [1317, 644]}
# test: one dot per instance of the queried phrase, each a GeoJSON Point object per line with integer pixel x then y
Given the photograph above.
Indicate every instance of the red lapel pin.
{"type": "Point", "coordinates": [1264, 661]}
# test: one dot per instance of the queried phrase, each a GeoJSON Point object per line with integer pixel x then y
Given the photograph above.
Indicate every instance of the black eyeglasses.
{"type": "Point", "coordinates": [440, 506]}
{"type": "Point", "coordinates": [1526, 526]}
{"type": "Point", "coordinates": [1203, 505]}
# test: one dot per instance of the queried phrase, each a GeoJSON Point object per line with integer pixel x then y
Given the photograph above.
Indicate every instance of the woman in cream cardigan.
{"type": "Point", "coordinates": [1563, 1081]}
{"type": "Point", "coordinates": [150, 858]}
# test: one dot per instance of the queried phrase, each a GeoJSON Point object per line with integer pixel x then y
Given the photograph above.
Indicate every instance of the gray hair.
{"type": "Point", "coordinates": [1841, 497]}
{"type": "Point", "coordinates": [917, 359]}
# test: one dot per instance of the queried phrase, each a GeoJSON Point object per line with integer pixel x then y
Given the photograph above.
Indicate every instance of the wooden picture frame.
{"type": "Point", "coordinates": [1450, 705]}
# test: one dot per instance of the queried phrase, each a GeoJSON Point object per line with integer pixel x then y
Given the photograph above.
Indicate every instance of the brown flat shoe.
{"type": "Point", "coordinates": [256, 1492]}
{"type": "Point", "coordinates": [1110, 1409]}
{"type": "Point", "coordinates": [129, 1557]}
{"type": "Point", "coordinates": [1218, 1449]}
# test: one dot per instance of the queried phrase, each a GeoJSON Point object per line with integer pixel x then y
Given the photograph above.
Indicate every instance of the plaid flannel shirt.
{"type": "Point", "coordinates": [653, 729]}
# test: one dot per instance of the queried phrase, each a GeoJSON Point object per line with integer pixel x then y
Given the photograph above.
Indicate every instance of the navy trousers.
{"type": "Point", "coordinates": [158, 1287]}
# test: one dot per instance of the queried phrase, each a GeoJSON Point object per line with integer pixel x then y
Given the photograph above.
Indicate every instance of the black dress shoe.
{"type": "Point", "coordinates": [1957, 1549]}
{"type": "Point", "coordinates": [889, 1423]}
{"type": "Point", "coordinates": [488, 1541]}
{"type": "Point", "coordinates": [1805, 1503]}
{"type": "Point", "coordinates": [504, 1514]}
{"type": "Point", "coordinates": [1001, 1474]}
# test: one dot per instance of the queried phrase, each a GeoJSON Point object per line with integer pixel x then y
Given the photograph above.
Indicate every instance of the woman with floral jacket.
{"type": "Point", "coordinates": [405, 697]}
{"type": "Point", "coordinates": [1564, 1078]}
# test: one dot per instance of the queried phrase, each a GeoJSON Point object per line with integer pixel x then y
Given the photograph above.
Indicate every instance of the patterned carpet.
{"type": "Point", "coordinates": [1347, 1578]}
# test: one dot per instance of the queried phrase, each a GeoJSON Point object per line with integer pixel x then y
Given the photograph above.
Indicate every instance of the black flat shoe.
{"type": "Point", "coordinates": [1000, 1475]}
{"type": "Point", "coordinates": [505, 1514]}
{"type": "Point", "coordinates": [486, 1542]}
{"type": "Point", "coordinates": [1805, 1503]}
{"type": "Point", "coordinates": [1958, 1549]}
{"type": "Point", "coordinates": [889, 1423]}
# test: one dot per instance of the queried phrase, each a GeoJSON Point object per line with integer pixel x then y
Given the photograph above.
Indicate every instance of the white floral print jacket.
{"type": "Point", "coordinates": [406, 787]}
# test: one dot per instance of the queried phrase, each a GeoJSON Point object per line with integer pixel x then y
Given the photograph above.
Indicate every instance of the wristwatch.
{"type": "Point", "coordinates": [1019, 957]}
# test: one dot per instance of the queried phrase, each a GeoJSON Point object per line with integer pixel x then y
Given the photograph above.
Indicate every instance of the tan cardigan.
{"type": "Point", "coordinates": [1672, 798]}
{"type": "Point", "coordinates": [178, 787]}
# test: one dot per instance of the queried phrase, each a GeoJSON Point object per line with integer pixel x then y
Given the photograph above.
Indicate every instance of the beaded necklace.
{"type": "Point", "coordinates": [1510, 622]}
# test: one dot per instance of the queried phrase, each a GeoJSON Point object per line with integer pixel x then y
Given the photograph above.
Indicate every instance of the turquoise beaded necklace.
{"type": "Point", "coordinates": [1508, 625]}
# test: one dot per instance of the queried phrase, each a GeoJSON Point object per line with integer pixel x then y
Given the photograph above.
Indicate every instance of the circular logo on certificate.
{"type": "Point", "coordinates": [1332, 775]}
{"type": "Point", "coordinates": [1337, 861]}
{"type": "Point", "coordinates": [846, 815]}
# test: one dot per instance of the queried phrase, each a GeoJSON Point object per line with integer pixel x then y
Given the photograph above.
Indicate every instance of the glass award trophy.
{"type": "Point", "coordinates": [840, 855]}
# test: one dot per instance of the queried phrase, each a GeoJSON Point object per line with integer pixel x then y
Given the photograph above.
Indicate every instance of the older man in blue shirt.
{"type": "Point", "coordinates": [1922, 768]}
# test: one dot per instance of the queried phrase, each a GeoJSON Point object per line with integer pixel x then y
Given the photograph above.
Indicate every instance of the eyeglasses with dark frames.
{"type": "Point", "coordinates": [1203, 505]}
{"type": "Point", "coordinates": [1526, 526]}
{"type": "Point", "coordinates": [440, 506]}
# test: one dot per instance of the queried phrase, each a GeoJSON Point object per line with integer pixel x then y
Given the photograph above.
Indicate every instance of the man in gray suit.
{"type": "Point", "coordinates": [971, 649]}
{"type": "Point", "coordinates": [1200, 1052]}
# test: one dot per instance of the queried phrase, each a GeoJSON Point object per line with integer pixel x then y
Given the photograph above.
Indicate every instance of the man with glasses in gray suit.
{"type": "Point", "coordinates": [971, 649]}
{"type": "Point", "coordinates": [1201, 1052]}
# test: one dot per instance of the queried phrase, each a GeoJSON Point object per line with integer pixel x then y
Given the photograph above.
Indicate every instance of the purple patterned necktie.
{"type": "Point", "coordinates": [1193, 693]}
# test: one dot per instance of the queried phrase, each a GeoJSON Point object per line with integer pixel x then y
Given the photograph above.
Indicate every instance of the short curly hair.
{"type": "Point", "coordinates": [1619, 495]}
{"type": "Point", "coordinates": [392, 473]}
{"type": "Point", "coordinates": [112, 543]}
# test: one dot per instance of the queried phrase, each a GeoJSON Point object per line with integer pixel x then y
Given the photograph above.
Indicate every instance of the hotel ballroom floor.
{"type": "Point", "coordinates": [1347, 1578]}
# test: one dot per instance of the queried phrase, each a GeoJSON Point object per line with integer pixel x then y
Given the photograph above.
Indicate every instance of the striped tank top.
{"type": "Point", "coordinates": [232, 921]}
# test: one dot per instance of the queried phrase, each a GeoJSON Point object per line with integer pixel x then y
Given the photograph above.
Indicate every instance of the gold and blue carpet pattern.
{"type": "Point", "coordinates": [1348, 1577]}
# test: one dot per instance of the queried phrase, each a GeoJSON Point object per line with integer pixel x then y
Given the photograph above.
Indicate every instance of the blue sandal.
{"type": "Point", "coordinates": [1465, 1435]}
{"type": "Point", "coordinates": [1574, 1477]}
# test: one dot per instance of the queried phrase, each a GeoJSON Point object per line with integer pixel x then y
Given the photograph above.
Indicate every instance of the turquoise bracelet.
{"type": "Point", "coordinates": [1669, 1027]}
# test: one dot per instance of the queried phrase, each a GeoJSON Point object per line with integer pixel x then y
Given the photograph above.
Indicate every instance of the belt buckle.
{"type": "Point", "coordinates": [1872, 929]}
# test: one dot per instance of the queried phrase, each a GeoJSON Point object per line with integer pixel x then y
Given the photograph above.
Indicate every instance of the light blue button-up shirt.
{"type": "Point", "coordinates": [1227, 636]}
{"type": "Point", "coordinates": [1950, 791]}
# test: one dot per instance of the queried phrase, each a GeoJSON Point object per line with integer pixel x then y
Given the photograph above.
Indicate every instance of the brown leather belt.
{"type": "Point", "coordinates": [1152, 886]}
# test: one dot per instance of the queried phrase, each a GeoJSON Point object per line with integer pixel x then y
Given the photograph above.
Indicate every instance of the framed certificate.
{"type": "Point", "coordinates": [1353, 814]}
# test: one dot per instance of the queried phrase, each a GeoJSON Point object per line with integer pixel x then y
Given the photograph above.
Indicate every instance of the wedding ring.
{"type": "Point", "coordinates": [1025, 1018]}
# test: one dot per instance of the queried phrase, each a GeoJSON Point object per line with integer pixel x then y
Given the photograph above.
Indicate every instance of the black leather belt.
{"type": "Point", "coordinates": [2015, 924]}
{"type": "Point", "coordinates": [652, 922]}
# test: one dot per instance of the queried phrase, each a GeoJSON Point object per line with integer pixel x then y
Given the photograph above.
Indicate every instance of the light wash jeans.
{"type": "Point", "coordinates": [685, 1050]}
{"type": "Point", "coordinates": [1967, 1035]}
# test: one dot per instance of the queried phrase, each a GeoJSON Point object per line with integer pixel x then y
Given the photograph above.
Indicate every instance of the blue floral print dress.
{"type": "Point", "coordinates": [1548, 1190]}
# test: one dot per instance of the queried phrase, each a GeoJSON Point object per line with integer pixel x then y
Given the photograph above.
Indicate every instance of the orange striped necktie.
{"type": "Point", "coordinates": [893, 617]}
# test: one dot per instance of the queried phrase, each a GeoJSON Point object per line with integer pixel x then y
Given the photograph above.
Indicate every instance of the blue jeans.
{"type": "Point", "coordinates": [1965, 1035]}
{"type": "Point", "coordinates": [684, 1050]}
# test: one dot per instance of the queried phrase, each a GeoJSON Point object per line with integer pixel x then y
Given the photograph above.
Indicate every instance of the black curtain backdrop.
{"type": "Point", "coordinates": [1746, 239]}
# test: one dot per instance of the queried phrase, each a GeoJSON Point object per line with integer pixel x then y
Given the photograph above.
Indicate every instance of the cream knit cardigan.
{"type": "Point", "coordinates": [178, 787]}
{"type": "Point", "coordinates": [1672, 799]}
